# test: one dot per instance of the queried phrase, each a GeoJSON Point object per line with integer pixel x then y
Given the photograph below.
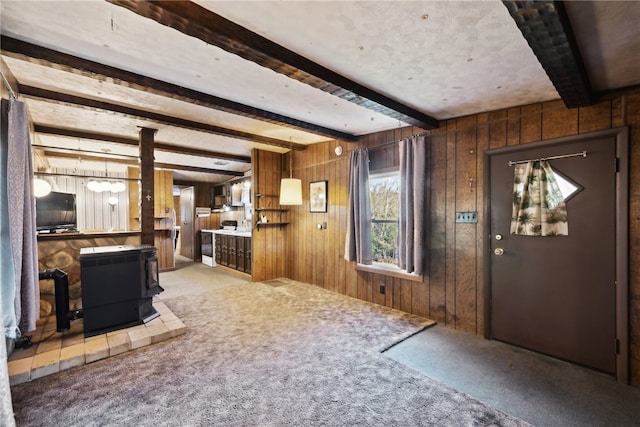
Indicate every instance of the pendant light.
{"type": "Point", "coordinates": [106, 185]}
{"type": "Point", "coordinates": [41, 187]}
{"type": "Point", "coordinates": [290, 188]}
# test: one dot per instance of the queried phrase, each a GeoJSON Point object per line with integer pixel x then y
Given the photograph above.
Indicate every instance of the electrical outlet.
{"type": "Point", "coordinates": [467, 217]}
{"type": "Point", "coordinates": [382, 289]}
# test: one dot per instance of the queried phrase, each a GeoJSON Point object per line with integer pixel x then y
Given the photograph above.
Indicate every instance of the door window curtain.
{"type": "Point", "coordinates": [411, 232]}
{"type": "Point", "coordinates": [538, 204]}
{"type": "Point", "coordinates": [358, 239]}
{"type": "Point", "coordinates": [19, 268]}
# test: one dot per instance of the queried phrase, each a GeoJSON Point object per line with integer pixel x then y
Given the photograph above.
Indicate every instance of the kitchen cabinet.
{"type": "Point", "coordinates": [247, 255]}
{"type": "Point", "coordinates": [232, 246]}
{"type": "Point", "coordinates": [236, 193]}
{"type": "Point", "coordinates": [233, 251]}
{"type": "Point", "coordinates": [218, 196]}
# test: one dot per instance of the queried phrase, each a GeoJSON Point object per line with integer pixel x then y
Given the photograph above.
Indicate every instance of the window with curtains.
{"type": "Point", "coordinates": [387, 196]}
{"type": "Point", "coordinates": [384, 189]}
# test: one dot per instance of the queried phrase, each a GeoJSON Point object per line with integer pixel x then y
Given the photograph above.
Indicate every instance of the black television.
{"type": "Point", "coordinates": [56, 212]}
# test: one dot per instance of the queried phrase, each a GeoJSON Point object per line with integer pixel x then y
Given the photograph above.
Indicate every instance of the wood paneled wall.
{"type": "Point", "coordinates": [452, 290]}
{"type": "Point", "coordinates": [271, 259]}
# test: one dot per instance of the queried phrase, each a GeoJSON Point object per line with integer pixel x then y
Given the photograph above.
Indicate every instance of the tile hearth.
{"type": "Point", "coordinates": [53, 351]}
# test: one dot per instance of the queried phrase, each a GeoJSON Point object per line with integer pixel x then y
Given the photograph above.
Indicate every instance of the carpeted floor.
{"type": "Point", "coordinates": [257, 355]}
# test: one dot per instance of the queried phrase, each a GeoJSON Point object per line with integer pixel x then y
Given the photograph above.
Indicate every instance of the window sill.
{"type": "Point", "coordinates": [389, 271]}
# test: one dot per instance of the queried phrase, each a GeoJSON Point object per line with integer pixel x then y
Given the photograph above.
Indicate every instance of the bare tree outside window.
{"type": "Point", "coordinates": [385, 198]}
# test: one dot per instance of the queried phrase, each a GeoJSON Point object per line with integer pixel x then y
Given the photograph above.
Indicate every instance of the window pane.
{"type": "Point", "coordinates": [568, 188]}
{"type": "Point", "coordinates": [385, 197]}
{"type": "Point", "coordinates": [384, 238]}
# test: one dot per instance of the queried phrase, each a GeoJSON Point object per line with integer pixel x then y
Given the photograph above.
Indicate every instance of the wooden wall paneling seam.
{"type": "Point", "coordinates": [360, 291]}
{"type": "Point", "coordinates": [513, 125]}
{"type": "Point", "coordinates": [437, 248]}
{"type": "Point", "coordinates": [618, 115]}
{"type": "Point", "coordinates": [406, 295]}
{"type": "Point", "coordinates": [482, 144]}
{"type": "Point", "coordinates": [530, 123]}
{"type": "Point", "coordinates": [497, 129]}
{"type": "Point", "coordinates": [557, 123]}
{"type": "Point", "coordinates": [450, 254]}
{"type": "Point", "coordinates": [318, 236]}
{"type": "Point", "coordinates": [341, 226]}
{"type": "Point", "coordinates": [630, 106]}
{"type": "Point", "coordinates": [330, 231]}
{"type": "Point", "coordinates": [596, 117]}
{"type": "Point", "coordinates": [259, 237]}
{"type": "Point", "coordinates": [307, 250]}
{"type": "Point", "coordinates": [465, 234]}
{"type": "Point", "coordinates": [331, 266]}
{"type": "Point", "coordinates": [324, 235]}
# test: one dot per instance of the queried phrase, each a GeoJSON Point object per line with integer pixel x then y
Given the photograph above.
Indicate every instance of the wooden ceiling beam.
{"type": "Point", "coordinates": [43, 56]}
{"type": "Point", "coordinates": [546, 27]}
{"type": "Point", "coordinates": [51, 96]}
{"type": "Point", "coordinates": [196, 21]}
{"type": "Point", "coordinates": [64, 154]}
{"type": "Point", "coordinates": [50, 130]}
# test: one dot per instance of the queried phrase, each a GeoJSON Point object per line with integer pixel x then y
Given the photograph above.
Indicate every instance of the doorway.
{"type": "Point", "coordinates": [563, 296]}
{"type": "Point", "coordinates": [187, 215]}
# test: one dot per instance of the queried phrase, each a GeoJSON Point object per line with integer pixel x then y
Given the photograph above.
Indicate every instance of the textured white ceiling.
{"type": "Point", "coordinates": [443, 58]}
{"type": "Point", "coordinates": [447, 59]}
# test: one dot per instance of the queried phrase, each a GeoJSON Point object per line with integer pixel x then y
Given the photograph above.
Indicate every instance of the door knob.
{"type": "Point", "coordinates": [498, 251]}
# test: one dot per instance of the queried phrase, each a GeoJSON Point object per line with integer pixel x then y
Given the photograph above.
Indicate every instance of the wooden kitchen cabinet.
{"type": "Point", "coordinates": [233, 252]}
{"type": "Point", "coordinates": [247, 255]}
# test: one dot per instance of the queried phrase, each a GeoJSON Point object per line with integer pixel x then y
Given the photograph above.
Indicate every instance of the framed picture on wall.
{"type": "Point", "coordinates": [318, 196]}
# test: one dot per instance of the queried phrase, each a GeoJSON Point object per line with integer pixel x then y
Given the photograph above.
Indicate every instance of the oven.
{"type": "Point", "coordinates": [207, 248]}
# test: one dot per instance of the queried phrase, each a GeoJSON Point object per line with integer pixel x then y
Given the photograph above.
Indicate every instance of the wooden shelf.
{"type": "Point", "coordinates": [270, 224]}
{"type": "Point", "coordinates": [271, 210]}
{"type": "Point", "coordinates": [279, 213]}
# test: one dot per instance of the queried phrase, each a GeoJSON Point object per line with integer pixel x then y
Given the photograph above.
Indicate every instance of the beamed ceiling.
{"type": "Point", "coordinates": [219, 78]}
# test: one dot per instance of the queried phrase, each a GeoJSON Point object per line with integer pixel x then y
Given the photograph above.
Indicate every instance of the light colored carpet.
{"type": "Point", "coordinates": [257, 355]}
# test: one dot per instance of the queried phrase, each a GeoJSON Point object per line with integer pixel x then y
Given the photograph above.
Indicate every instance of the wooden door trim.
{"type": "Point", "coordinates": [621, 135]}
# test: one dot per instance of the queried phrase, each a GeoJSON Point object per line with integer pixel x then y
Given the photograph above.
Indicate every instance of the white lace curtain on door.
{"type": "Point", "coordinates": [538, 204]}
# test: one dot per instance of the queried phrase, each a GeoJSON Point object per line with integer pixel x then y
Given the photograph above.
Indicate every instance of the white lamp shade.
{"type": "Point", "coordinates": [117, 187]}
{"type": "Point", "coordinates": [290, 191]}
{"type": "Point", "coordinates": [94, 186]}
{"type": "Point", "coordinates": [41, 187]}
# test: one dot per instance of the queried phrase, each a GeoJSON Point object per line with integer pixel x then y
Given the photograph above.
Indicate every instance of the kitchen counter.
{"type": "Point", "coordinates": [229, 232]}
{"type": "Point", "coordinates": [229, 248]}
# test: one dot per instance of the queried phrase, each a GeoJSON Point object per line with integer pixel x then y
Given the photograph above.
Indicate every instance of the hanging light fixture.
{"type": "Point", "coordinates": [105, 185]}
{"type": "Point", "coordinates": [290, 188]}
{"type": "Point", "coordinates": [41, 187]}
{"type": "Point", "coordinates": [112, 201]}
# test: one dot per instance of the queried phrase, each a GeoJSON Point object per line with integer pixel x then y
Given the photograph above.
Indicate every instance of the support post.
{"type": "Point", "coordinates": [146, 143]}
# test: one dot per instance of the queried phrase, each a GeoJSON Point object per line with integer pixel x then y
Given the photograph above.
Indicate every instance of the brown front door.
{"type": "Point", "coordinates": [556, 295]}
